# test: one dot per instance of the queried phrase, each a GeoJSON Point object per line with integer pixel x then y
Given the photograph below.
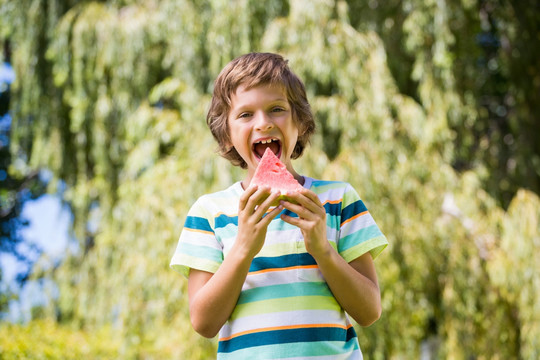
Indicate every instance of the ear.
{"type": "Point", "coordinates": [227, 144]}
{"type": "Point", "coordinates": [299, 125]}
{"type": "Point", "coordinates": [301, 129]}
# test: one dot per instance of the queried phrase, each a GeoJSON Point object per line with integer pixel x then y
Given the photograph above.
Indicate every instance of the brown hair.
{"type": "Point", "coordinates": [252, 70]}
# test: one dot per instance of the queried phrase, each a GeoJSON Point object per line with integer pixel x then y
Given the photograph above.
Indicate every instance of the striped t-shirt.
{"type": "Point", "coordinates": [285, 309]}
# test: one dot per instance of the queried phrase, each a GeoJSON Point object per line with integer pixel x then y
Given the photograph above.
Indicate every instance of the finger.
{"type": "Point", "coordinates": [292, 220]}
{"type": "Point", "coordinates": [256, 199]}
{"type": "Point", "coordinates": [265, 205]}
{"type": "Point", "coordinates": [246, 196]}
{"type": "Point", "coordinates": [301, 210]}
{"type": "Point", "coordinates": [309, 201]}
{"type": "Point", "coordinates": [268, 217]}
{"type": "Point", "coordinates": [303, 224]}
{"type": "Point", "coordinates": [300, 198]}
{"type": "Point", "coordinates": [312, 196]}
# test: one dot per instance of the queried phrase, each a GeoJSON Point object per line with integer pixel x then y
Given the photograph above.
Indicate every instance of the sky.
{"type": "Point", "coordinates": [48, 229]}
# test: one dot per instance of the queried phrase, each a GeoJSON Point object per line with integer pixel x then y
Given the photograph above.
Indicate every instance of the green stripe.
{"type": "Point", "coordinates": [276, 225]}
{"type": "Point", "coordinates": [278, 249]}
{"type": "Point", "coordinates": [229, 231]}
{"type": "Point", "coordinates": [358, 237]}
{"type": "Point", "coordinates": [319, 187]}
{"type": "Point", "coordinates": [296, 303]}
{"type": "Point", "coordinates": [284, 290]}
{"type": "Point", "coordinates": [333, 221]}
{"type": "Point", "coordinates": [186, 262]}
{"type": "Point", "coordinates": [374, 246]}
{"type": "Point", "coordinates": [349, 196]}
{"type": "Point", "coordinates": [204, 252]}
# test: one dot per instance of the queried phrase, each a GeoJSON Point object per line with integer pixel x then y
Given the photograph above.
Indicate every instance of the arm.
{"type": "Point", "coordinates": [353, 284]}
{"type": "Point", "coordinates": [212, 297]}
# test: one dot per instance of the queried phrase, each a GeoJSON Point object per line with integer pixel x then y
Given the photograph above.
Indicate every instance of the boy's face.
{"type": "Point", "coordinates": [261, 117]}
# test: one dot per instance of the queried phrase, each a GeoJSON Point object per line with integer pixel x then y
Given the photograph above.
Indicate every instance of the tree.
{"type": "Point", "coordinates": [15, 190]}
{"type": "Point", "coordinates": [112, 98]}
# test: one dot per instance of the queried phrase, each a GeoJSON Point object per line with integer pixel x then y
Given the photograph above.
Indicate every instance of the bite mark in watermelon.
{"type": "Point", "coordinates": [272, 172]}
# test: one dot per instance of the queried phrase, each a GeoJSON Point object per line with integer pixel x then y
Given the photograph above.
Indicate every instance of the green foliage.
{"type": "Point", "coordinates": [520, 290]}
{"type": "Point", "coordinates": [111, 96]}
{"type": "Point", "coordinates": [47, 340]}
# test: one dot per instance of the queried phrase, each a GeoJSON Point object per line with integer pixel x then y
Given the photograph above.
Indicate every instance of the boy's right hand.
{"type": "Point", "coordinates": [213, 296]}
{"type": "Point", "coordinates": [252, 221]}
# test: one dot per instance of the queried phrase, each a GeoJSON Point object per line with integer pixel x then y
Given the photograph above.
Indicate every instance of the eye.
{"type": "Point", "coordinates": [278, 109]}
{"type": "Point", "coordinates": [244, 115]}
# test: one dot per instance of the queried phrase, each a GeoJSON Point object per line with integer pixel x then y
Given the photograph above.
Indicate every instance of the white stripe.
{"type": "Point", "coordinates": [359, 223]}
{"type": "Point", "coordinates": [333, 194]}
{"type": "Point", "coordinates": [281, 237]}
{"type": "Point", "coordinates": [286, 318]}
{"type": "Point", "coordinates": [281, 277]}
{"type": "Point", "coordinates": [199, 239]}
{"type": "Point", "coordinates": [332, 234]}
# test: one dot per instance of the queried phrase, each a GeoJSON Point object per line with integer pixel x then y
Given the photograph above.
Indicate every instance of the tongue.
{"type": "Point", "coordinates": [260, 148]}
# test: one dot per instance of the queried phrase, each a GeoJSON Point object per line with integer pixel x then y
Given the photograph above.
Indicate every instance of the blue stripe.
{"type": "Point", "coordinates": [278, 262]}
{"type": "Point", "coordinates": [333, 209]}
{"type": "Point", "coordinates": [286, 336]}
{"type": "Point", "coordinates": [223, 220]}
{"type": "Point", "coordinates": [353, 209]}
{"type": "Point", "coordinates": [319, 183]}
{"type": "Point", "coordinates": [198, 223]}
{"type": "Point", "coordinates": [287, 212]}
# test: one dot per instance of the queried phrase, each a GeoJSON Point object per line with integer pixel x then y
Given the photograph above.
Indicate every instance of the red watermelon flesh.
{"type": "Point", "coordinates": [273, 173]}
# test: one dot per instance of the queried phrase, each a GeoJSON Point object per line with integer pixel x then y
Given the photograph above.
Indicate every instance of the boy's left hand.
{"type": "Point", "coordinates": [311, 220]}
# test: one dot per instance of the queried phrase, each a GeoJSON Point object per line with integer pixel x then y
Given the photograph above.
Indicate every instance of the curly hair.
{"type": "Point", "coordinates": [252, 70]}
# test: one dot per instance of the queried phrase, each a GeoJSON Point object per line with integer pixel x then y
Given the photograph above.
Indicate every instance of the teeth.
{"type": "Point", "coordinates": [265, 141]}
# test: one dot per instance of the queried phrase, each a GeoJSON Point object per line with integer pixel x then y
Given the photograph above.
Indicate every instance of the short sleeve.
{"type": "Point", "coordinates": [198, 247]}
{"type": "Point", "coordinates": [358, 233]}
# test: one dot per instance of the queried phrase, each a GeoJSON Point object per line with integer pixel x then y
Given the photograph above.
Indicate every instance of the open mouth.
{"type": "Point", "coordinates": [260, 146]}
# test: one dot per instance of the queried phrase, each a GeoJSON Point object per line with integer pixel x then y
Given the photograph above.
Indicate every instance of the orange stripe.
{"type": "Point", "coordinates": [285, 327]}
{"type": "Point", "coordinates": [332, 202]}
{"type": "Point", "coordinates": [284, 269]}
{"type": "Point", "coordinates": [222, 213]}
{"type": "Point", "coordinates": [354, 217]}
{"type": "Point", "coordinates": [199, 231]}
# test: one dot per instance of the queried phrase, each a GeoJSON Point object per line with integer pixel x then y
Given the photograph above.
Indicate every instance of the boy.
{"type": "Point", "coordinates": [276, 282]}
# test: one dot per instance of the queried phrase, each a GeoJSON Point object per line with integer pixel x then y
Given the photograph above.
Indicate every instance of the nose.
{"type": "Point", "coordinates": [263, 122]}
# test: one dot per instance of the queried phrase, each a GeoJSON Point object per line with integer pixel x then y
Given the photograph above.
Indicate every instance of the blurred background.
{"type": "Point", "coordinates": [429, 108]}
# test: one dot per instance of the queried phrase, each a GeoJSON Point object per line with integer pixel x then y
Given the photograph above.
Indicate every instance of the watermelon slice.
{"type": "Point", "coordinates": [273, 173]}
